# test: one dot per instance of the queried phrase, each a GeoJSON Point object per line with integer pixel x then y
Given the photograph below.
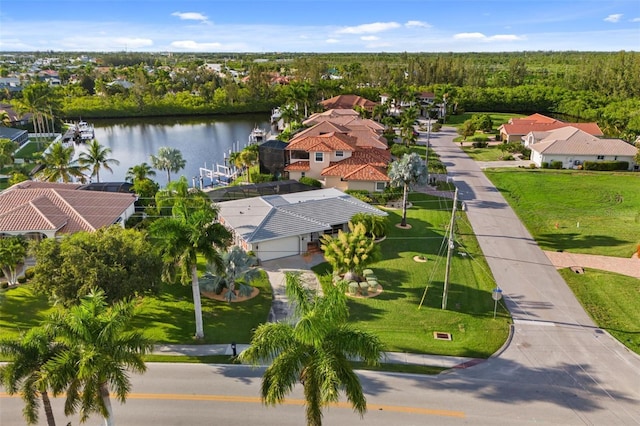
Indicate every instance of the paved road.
{"type": "Point", "coordinates": [557, 353]}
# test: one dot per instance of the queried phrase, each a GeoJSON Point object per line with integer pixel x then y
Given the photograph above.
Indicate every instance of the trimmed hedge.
{"type": "Point", "coordinates": [310, 181]}
{"type": "Point", "coordinates": [606, 166]}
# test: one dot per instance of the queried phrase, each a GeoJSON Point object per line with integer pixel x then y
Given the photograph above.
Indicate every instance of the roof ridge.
{"type": "Point", "coordinates": [73, 209]}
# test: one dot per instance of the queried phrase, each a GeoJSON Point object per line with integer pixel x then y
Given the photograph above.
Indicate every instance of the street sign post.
{"type": "Point", "coordinates": [496, 295]}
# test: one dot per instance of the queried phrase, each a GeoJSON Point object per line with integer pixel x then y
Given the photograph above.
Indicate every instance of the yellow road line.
{"type": "Point", "coordinates": [256, 400]}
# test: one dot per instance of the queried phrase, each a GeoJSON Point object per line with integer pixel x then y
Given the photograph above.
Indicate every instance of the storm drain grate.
{"type": "Point", "coordinates": [439, 335]}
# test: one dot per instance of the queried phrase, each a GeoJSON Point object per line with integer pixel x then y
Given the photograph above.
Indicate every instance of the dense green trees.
{"type": "Point", "coordinates": [119, 261]}
{"type": "Point", "coordinates": [315, 351]}
{"type": "Point", "coordinates": [7, 149]}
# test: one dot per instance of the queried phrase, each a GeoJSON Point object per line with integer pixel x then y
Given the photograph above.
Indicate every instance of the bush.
{"type": "Point", "coordinates": [556, 165]}
{"type": "Point", "coordinates": [533, 166]}
{"type": "Point", "coordinates": [436, 127]}
{"type": "Point", "coordinates": [361, 195]}
{"type": "Point", "coordinates": [22, 280]}
{"type": "Point", "coordinates": [480, 144]}
{"type": "Point", "coordinates": [480, 138]}
{"type": "Point", "coordinates": [544, 165]}
{"type": "Point", "coordinates": [507, 157]}
{"type": "Point", "coordinates": [398, 150]}
{"type": "Point", "coordinates": [311, 182]}
{"type": "Point", "coordinates": [28, 273]}
{"type": "Point", "coordinates": [606, 165]}
{"type": "Point", "coordinates": [261, 177]}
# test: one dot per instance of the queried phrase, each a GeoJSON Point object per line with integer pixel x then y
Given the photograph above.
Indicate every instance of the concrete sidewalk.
{"type": "Point", "coordinates": [388, 357]}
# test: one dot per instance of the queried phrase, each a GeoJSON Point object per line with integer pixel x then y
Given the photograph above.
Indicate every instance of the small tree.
{"type": "Point", "coordinates": [13, 251]}
{"type": "Point", "coordinates": [468, 128]}
{"type": "Point", "coordinates": [405, 172]}
{"type": "Point", "coordinates": [350, 252]}
{"type": "Point", "coordinates": [483, 122]}
{"type": "Point", "coordinates": [375, 225]}
{"type": "Point", "coordinates": [237, 269]}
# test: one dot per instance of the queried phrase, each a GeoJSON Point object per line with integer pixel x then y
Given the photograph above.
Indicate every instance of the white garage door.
{"type": "Point", "coordinates": [275, 249]}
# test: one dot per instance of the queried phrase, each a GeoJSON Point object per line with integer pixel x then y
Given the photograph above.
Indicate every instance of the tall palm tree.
{"type": "Point", "coordinates": [58, 165]}
{"type": "Point", "coordinates": [139, 172]}
{"type": "Point", "coordinates": [168, 159]}
{"type": "Point", "coordinates": [96, 158]}
{"type": "Point", "coordinates": [405, 172]}
{"type": "Point", "coordinates": [98, 351]}
{"type": "Point", "coordinates": [316, 351]}
{"type": "Point", "coordinates": [248, 157]}
{"type": "Point", "coordinates": [25, 373]}
{"type": "Point", "coordinates": [188, 233]}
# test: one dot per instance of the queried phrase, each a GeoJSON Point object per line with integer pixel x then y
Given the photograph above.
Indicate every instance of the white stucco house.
{"type": "Point", "coordinates": [573, 147]}
{"type": "Point", "coordinates": [276, 226]}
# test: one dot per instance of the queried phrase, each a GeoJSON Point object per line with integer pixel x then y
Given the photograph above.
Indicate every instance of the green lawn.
{"type": "Point", "coordinates": [595, 212]}
{"type": "Point", "coordinates": [612, 300]}
{"type": "Point", "coordinates": [394, 315]}
{"type": "Point", "coordinates": [498, 118]}
{"type": "Point", "coordinates": [166, 318]}
{"type": "Point", "coordinates": [490, 153]}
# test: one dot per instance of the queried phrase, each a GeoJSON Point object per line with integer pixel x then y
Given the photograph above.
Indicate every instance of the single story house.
{"type": "Point", "coordinates": [276, 226]}
{"type": "Point", "coordinates": [517, 128]}
{"type": "Point", "coordinates": [18, 136]}
{"type": "Point", "coordinates": [573, 147]}
{"type": "Point", "coordinates": [51, 210]}
{"type": "Point", "coordinates": [348, 102]}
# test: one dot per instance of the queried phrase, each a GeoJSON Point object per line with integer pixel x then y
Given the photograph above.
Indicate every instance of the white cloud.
{"type": "Point", "coordinates": [613, 18]}
{"type": "Point", "coordinates": [332, 40]}
{"type": "Point", "coordinates": [191, 45]}
{"type": "Point", "coordinates": [134, 43]}
{"type": "Point", "coordinates": [191, 16]}
{"type": "Point", "coordinates": [635, 20]}
{"type": "Point", "coordinates": [482, 37]}
{"type": "Point", "coordinates": [469, 36]}
{"type": "Point", "coordinates": [413, 24]}
{"type": "Point", "coordinates": [369, 38]}
{"type": "Point", "coordinates": [375, 27]}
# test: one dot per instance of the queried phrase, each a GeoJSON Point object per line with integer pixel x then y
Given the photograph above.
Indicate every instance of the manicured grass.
{"type": "Point", "coordinates": [166, 318]}
{"type": "Point", "coordinates": [27, 151]}
{"type": "Point", "coordinates": [169, 317]}
{"type": "Point", "coordinates": [490, 153]}
{"type": "Point", "coordinates": [612, 301]}
{"type": "Point", "coordinates": [498, 118]}
{"type": "Point", "coordinates": [595, 212]}
{"type": "Point", "coordinates": [394, 315]}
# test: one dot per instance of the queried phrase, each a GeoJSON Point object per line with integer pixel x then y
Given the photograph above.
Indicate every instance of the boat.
{"type": "Point", "coordinates": [79, 132]}
{"type": "Point", "coordinates": [257, 136]}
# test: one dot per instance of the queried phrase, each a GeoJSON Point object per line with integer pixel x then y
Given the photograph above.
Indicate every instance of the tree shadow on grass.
{"type": "Point", "coordinates": [569, 241]}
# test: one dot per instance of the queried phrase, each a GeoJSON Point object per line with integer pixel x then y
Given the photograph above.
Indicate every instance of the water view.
{"type": "Point", "coordinates": [202, 141]}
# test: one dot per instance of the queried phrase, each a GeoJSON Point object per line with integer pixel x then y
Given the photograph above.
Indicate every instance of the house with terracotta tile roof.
{"type": "Point", "coordinates": [517, 128]}
{"type": "Point", "coordinates": [339, 159]}
{"type": "Point", "coordinates": [348, 102]}
{"type": "Point", "coordinates": [51, 210]}
{"type": "Point", "coordinates": [573, 146]}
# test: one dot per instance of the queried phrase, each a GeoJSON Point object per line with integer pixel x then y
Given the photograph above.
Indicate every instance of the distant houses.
{"type": "Point", "coordinates": [517, 128]}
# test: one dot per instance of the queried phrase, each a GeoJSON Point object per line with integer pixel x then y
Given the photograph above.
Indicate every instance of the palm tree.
{"type": "Point", "coordinates": [248, 158]}
{"type": "Point", "coordinates": [316, 351]}
{"type": "Point", "coordinates": [376, 226]}
{"type": "Point", "coordinates": [237, 268]}
{"type": "Point", "coordinates": [350, 252]}
{"type": "Point", "coordinates": [5, 120]}
{"type": "Point", "coordinates": [58, 165]}
{"type": "Point", "coordinates": [96, 158]}
{"type": "Point", "coordinates": [405, 172]}
{"type": "Point", "coordinates": [139, 172]}
{"type": "Point", "coordinates": [97, 353]}
{"type": "Point", "coordinates": [25, 372]}
{"type": "Point", "coordinates": [190, 232]}
{"type": "Point", "coordinates": [168, 159]}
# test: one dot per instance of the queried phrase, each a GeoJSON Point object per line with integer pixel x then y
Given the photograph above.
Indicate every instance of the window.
{"type": "Point", "coordinates": [380, 186]}
{"type": "Point", "coordinates": [319, 157]}
{"type": "Point", "coordinates": [302, 174]}
{"type": "Point", "coordinates": [339, 153]}
{"type": "Point", "coordinates": [600, 157]}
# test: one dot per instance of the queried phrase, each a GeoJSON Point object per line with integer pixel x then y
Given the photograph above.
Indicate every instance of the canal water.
{"type": "Point", "coordinates": [203, 142]}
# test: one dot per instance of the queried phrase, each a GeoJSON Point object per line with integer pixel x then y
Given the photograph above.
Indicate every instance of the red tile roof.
{"type": "Point", "coordinates": [328, 142]}
{"type": "Point", "coordinates": [298, 166]}
{"type": "Point", "coordinates": [347, 101]}
{"type": "Point", "coordinates": [368, 164]}
{"type": "Point", "coordinates": [60, 208]}
{"type": "Point", "coordinates": [523, 129]}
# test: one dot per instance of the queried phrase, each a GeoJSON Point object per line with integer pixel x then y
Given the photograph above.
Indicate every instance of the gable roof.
{"type": "Point", "coordinates": [57, 207]}
{"type": "Point", "coordinates": [361, 130]}
{"type": "Point", "coordinates": [366, 164]}
{"type": "Point", "coordinates": [279, 216]}
{"type": "Point", "coordinates": [330, 114]}
{"type": "Point", "coordinates": [573, 141]}
{"type": "Point", "coordinates": [542, 123]}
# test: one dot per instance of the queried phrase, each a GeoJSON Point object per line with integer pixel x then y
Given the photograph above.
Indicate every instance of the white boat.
{"type": "Point", "coordinates": [257, 136]}
{"type": "Point", "coordinates": [80, 132]}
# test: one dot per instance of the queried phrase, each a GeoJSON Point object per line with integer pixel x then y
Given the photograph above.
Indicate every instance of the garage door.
{"type": "Point", "coordinates": [275, 249]}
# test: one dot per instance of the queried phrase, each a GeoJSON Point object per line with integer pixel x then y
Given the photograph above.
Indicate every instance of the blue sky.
{"type": "Point", "coordinates": [320, 26]}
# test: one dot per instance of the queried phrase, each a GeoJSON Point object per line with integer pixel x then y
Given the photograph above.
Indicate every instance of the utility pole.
{"type": "Point", "coordinates": [445, 291]}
